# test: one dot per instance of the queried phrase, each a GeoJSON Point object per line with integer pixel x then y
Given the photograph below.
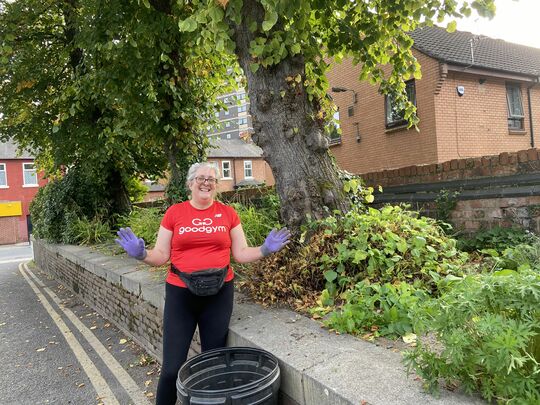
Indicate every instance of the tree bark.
{"type": "Point", "coordinates": [286, 129]}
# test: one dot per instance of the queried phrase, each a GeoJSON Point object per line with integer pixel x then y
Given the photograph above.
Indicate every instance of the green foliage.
{"type": "Point", "coordinates": [381, 310]}
{"type": "Point", "coordinates": [488, 326]}
{"type": "Point", "coordinates": [144, 222]}
{"type": "Point", "coordinates": [136, 190]}
{"type": "Point", "coordinates": [91, 232]}
{"type": "Point", "coordinates": [386, 246]}
{"type": "Point", "coordinates": [497, 238]}
{"type": "Point", "coordinates": [445, 203]}
{"type": "Point", "coordinates": [258, 217]}
{"type": "Point", "coordinates": [59, 206]}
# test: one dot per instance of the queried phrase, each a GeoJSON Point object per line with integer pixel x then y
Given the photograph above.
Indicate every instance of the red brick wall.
{"type": "Point", "coordinates": [472, 215]}
{"type": "Point", "coordinates": [9, 231]}
{"type": "Point", "coordinates": [17, 192]}
{"type": "Point", "coordinates": [504, 164]}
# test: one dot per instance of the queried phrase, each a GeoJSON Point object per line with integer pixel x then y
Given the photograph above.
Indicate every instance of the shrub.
{"type": "Point", "coordinates": [497, 238]}
{"type": "Point", "coordinates": [489, 328]}
{"type": "Point", "coordinates": [390, 245]}
{"type": "Point", "coordinates": [91, 232]}
{"type": "Point", "coordinates": [379, 310]}
{"type": "Point", "coordinates": [144, 222]}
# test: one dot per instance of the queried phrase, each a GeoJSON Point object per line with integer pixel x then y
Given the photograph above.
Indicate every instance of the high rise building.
{"type": "Point", "coordinates": [234, 120]}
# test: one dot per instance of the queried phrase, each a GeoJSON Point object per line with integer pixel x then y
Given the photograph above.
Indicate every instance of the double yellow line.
{"type": "Point", "coordinates": [102, 388]}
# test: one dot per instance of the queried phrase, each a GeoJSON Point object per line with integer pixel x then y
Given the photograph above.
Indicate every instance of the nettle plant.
{"type": "Point", "coordinates": [488, 327]}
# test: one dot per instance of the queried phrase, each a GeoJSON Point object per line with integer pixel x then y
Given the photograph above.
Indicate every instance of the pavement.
{"type": "Point", "coordinates": [16, 253]}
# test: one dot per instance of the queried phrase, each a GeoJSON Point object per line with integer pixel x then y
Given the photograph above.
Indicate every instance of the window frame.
{"type": "Point", "coordinates": [223, 170]}
{"type": "Point", "coordinates": [4, 171]}
{"type": "Point", "coordinates": [25, 184]}
{"type": "Point", "coordinates": [512, 116]}
{"type": "Point", "coordinates": [250, 162]}
{"type": "Point", "coordinates": [410, 84]}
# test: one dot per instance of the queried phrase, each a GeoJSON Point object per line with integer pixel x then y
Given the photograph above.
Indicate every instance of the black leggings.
{"type": "Point", "coordinates": [183, 312]}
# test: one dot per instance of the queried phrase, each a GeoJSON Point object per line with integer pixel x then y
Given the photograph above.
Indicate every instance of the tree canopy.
{"type": "Point", "coordinates": [124, 85]}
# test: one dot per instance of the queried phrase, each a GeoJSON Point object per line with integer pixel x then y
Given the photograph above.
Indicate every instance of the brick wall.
{"type": "Point", "coordinates": [474, 213]}
{"type": "Point", "coordinates": [9, 231]}
{"type": "Point", "coordinates": [114, 287]}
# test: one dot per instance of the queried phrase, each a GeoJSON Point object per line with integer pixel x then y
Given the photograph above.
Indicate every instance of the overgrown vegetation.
{"type": "Point", "coordinates": [489, 328]}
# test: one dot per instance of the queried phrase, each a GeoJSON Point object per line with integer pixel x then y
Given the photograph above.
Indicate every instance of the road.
{"type": "Point", "coordinates": [56, 350]}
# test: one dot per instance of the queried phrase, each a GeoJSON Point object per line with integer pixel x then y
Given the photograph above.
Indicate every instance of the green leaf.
{"type": "Point", "coordinates": [270, 21]}
{"type": "Point", "coordinates": [254, 67]}
{"type": "Point", "coordinates": [187, 25]}
{"type": "Point", "coordinates": [451, 26]}
{"type": "Point", "coordinates": [330, 275]}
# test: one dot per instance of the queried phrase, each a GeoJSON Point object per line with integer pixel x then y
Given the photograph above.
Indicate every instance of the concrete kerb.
{"type": "Point", "coordinates": [317, 367]}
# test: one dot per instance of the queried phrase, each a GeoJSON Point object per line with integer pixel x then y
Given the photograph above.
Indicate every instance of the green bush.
{"type": "Point", "coordinates": [58, 206]}
{"type": "Point", "coordinates": [144, 222]}
{"type": "Point", "coordinates": [380, 310]}
{"type": "Point", "coordinates": [497, 238]}
{"type": "Point", "coordinates": [387, 246]}
{"type": "Point", "coordinates": [488, 327]}
{"type": "Point", "coordinates": [91, 232]}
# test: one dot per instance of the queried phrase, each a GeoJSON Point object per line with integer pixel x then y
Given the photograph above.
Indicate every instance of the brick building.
{"type": "Point", "coordinates": [19, 183]}
{"type": "Point", "coordinates": [477, 96]}
{"type": "Point", "coordinates": [240, 163]}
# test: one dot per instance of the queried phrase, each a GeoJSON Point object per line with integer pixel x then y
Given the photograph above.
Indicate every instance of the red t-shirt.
{"type": "Point", "coordinates": [201, 238]}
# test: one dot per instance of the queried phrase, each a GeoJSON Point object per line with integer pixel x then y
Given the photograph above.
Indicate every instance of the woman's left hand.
{"type": "Point", "coordinates": [275, 241]}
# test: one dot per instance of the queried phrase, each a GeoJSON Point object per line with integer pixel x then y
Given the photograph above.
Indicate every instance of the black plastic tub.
{"type": "Point", "coordinates": [229, 376]}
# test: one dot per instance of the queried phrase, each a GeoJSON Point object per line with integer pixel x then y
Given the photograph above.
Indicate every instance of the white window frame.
{"type": "Point", "coordinates": [25, 170]}
{"type": "Point", "coordinates": [516, 115]}
{"type": "Point", "coordinates": [248, 166]}
{"type": "Point", "coordinates": [227, 124]}
{"type": "Point", "coordinates": [225, 170]}
{"type": "Point", "coordinates": [3, 169]}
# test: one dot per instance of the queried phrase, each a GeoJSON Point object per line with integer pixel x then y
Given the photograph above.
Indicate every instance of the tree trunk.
{"type": "Point", "coordinates": [286, 129]}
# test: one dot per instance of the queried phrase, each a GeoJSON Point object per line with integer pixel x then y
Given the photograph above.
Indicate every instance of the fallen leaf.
{"type": "Point", "coordinates": [106, 325]}
{"type": "Point", "coordinates": [93, 327]}
{"type": "Point", "coordinates": [2, 324]}
{"type": "Point", "coordinates": [80, 385]}
{"type": "Point", "coordinates": [40, 350]}
{"type": "Point", "coordinates": [409, 338]}
{"type": "Point", "coordinates": [123, 341]}
{"type": "Point", "coordinates": [147, 383]}
{"type": "Point", "coordinates": [149, 394]}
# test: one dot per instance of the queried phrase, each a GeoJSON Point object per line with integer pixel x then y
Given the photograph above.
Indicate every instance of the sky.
{"type": "Point", "coordinates": [514, 21]}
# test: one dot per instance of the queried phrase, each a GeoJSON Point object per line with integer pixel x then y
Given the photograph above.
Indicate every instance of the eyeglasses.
{"type": "Point", "coordinates": [209, 180]}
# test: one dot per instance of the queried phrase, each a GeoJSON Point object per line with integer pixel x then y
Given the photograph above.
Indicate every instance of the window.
{"type": "Point", "coordinates": [515, 106]}
{"type": "Point", "coordinates": [228, 136]}
{"type": "Point", "coordinates": [242, 108]}
{"type": "Point", "coordinates": [242, 121]}
{"type": "Point", "coordinates": [226, 169]}
{"type": "Point", "coordinates": [226, 112]}
{"type": "Point", "coordinates": [395, 113]}
{"type": "Point", "coordinates": [217, 114]}
{"type": "Point", "coordinates": [248, 169]}
{"type": "Point", "coordinates": [227, 124]}
{"type": "Point", "coordinates": [29, 175]}
{"type": "Point", "coordinates": [3, 176]}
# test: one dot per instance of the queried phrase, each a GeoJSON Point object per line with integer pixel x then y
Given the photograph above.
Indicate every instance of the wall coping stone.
{"type": "Point", "coordinates": [317, 367]}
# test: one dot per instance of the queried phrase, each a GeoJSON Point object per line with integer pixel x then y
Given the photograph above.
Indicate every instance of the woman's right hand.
{"type": "Point", "coordinates": [275, 241]}
{"type": "Point", "coordinates": [133, 246]}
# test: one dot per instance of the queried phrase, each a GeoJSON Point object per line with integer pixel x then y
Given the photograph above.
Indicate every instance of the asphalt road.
{"type": "Point", "coordinates": [56, 350]}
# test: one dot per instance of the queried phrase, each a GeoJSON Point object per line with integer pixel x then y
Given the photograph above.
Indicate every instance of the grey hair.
{"type": "Point", "coordinates": [196, 166]}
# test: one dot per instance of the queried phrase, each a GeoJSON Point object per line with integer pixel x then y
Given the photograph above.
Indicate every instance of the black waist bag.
{"type": "Point", "coordinates": [203, 282]}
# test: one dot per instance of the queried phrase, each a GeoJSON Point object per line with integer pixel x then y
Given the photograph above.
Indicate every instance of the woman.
{"type": "Point", "coordinates": [197, 236]}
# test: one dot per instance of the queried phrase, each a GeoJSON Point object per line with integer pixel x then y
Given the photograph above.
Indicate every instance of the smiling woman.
{"type": "Point", "coordinates": [197, 236]}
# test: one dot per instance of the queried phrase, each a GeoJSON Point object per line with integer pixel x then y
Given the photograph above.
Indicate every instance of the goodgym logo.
{"type": "Point", "coordinates": [202, 225]}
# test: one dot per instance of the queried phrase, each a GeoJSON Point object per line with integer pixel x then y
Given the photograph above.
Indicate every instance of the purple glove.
{"type": "Point", "coordinates": [275, 241]}
{"type": "Point", "coordinates": [133, 246]}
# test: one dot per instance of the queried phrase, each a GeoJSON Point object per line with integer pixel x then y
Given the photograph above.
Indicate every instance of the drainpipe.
{"type": "Point", "coordinates": [537, 80]}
